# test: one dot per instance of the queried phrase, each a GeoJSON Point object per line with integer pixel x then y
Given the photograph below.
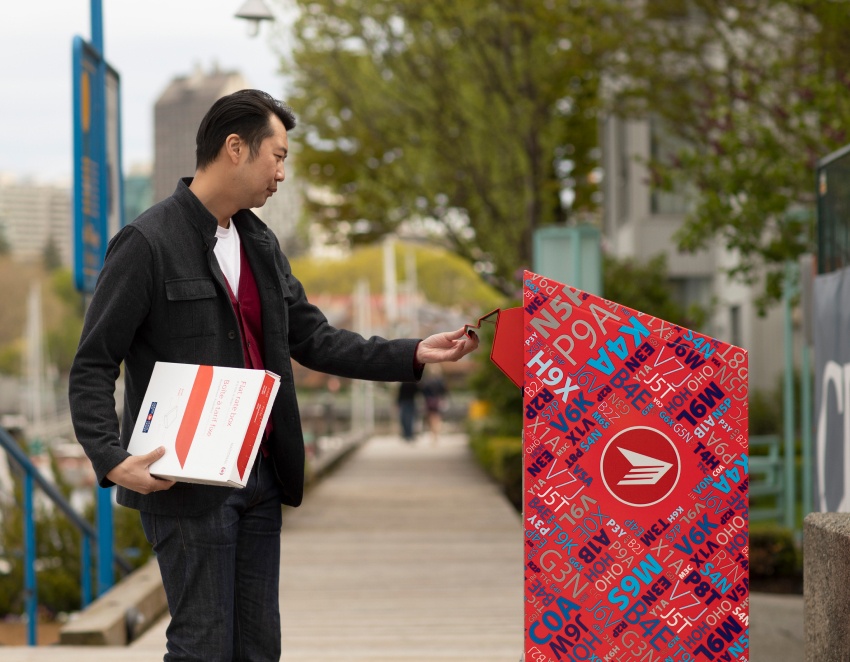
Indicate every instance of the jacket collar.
{"type": "Point", "coordinates": [206, 223]}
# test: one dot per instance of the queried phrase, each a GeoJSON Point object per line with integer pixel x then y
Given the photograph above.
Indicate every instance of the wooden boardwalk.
{"type": "Point", "coordinates": [407, 553]}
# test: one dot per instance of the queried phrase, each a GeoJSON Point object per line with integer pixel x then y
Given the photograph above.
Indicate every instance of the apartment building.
{"type": "Point", "coordinates": [32, 215]}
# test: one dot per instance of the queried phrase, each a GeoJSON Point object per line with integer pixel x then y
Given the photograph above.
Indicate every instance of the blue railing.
{"type": "Point", "coordinates": [32, 476]}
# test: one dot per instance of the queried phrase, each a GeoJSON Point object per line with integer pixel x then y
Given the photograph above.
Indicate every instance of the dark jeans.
{"type": "Point", "coordinates": [408, 417]}
{"type": "Point", "coordinates": [221, 574]}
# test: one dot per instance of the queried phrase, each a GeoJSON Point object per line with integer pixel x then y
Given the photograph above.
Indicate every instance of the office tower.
{"type": "Point", "coordinates": [177, 114]}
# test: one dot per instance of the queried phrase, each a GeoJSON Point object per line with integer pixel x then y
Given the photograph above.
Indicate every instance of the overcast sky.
{"type": "Point", "coordinates": [147, 41]}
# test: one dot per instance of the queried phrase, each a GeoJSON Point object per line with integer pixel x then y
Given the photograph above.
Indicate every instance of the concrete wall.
{"type": "Point", "coordinates": [826, 577]}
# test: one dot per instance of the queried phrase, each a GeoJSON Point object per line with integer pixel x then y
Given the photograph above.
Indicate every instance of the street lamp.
{"type": "Point", "coordinates": [255, 12]}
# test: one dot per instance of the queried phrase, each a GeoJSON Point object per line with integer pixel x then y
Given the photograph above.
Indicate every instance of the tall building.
{"type": "Point", "coordinates": [177, 114]}
{"type": "Point", "coordinates": [32, 215]}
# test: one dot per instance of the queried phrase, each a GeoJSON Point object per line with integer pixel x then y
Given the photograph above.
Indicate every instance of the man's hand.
{"type": "Point", "coordinates": [449, 346]}
{"type": "Point", "coordinates": [134, 473]}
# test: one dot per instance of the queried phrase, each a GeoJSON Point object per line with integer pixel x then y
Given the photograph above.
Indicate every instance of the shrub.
{"type": "Point", "coordinates": [773, 553]}
{"type": "Point", "coordinates": [501, 458]}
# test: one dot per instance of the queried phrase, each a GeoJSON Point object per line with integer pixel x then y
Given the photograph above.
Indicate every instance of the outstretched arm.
{"type": "Point", "coordinates": [449, 346]}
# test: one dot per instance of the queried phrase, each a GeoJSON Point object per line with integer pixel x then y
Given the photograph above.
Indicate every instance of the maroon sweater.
{"type": "Point", "coordinates": [249, 314]}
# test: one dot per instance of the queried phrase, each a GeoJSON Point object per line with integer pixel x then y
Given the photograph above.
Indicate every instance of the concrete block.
{"type": "Point", "coordinates": [826, 576]}
{"type": "Point", "coordinates": [122, 614]}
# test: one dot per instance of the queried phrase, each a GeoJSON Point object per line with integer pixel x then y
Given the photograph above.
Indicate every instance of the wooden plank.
{"type": "Point", "coordinates": [407, 553]}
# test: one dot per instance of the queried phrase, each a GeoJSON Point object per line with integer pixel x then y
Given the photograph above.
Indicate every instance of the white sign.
{"type": "Point", "coordinates": [832, 391]}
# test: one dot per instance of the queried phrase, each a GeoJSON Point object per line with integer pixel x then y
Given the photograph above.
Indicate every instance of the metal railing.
{"type": "Point", "coordinates": [33, 477]}
{"type": "Point", "coordinates": [766, 477]}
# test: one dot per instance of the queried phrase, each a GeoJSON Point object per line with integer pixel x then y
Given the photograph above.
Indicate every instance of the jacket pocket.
{"type": "Point", "coordinates": [192, 306]}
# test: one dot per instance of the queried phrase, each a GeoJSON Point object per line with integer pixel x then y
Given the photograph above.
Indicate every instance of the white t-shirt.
{"type": "Point", "coordinates": [227, 253]}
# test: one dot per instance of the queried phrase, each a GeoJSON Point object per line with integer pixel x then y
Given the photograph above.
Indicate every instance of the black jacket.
{"type": "Point", "coordinates": [162, 297]}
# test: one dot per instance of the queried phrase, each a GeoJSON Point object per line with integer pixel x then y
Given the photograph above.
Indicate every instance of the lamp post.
{"type": "Point", "coordinates": [255, 12]}
{"type": "Point", "coordinates": [105, 528]}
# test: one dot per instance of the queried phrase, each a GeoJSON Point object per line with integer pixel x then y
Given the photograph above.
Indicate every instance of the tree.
{"type": "Point", "coordinates": [58, 549]}
{"type": "Point", "coordinates": [757, 91]}
{"type": "Point", "coordinates": [62, 309]}
{"type": "Point", "coordinates": [443, 278]}
{"type": "Point", "coordinates": [57, 553]}
{"type": "Point", "coordinates": [63, 335]}
{"type": "Point", "coordinates": [50, 256]}
{"type": "Point", "coordinates": [5, 246]}
{"type": "Point", "coordinates": [645, 286]}
{"type": "Point", "coordinates": [480, 116]}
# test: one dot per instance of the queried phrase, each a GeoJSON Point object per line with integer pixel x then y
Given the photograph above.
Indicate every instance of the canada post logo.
{"type": "Point", "coordinates": [149, 418]}
{"type": "Point", "coordinates": [640, 466]}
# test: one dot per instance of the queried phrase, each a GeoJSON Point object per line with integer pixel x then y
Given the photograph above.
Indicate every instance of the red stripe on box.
{"type": "Point", "coordinates": [254, 427]}
{"type": "Point", "coordinates": [194, 409]}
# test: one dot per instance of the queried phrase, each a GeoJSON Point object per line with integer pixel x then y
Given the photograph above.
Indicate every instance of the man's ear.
{"type": "Point", "coordinates": [234, 147]}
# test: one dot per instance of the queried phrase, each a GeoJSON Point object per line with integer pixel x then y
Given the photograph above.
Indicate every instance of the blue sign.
{"type": "Point", "coordinates": [98, 182]}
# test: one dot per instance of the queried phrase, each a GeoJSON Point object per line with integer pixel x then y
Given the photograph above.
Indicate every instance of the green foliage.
{"type": "Point", "coordinates": [444, 278]}
{"type": "Point", "coordinates": [62, 285]}
{"type": "Point", "coordinates": [12, 357]}
{"type": "Point", "coordinates": [772, 553]}
{"type": "Point", "coordinates": [11, 545]}
{"type": "Point", "coordinates": [58, 550]}
{"type": "Point", "coordinates": [492, 386]}
{"type": "Point", "coordinates": [757, 91]}
{"type": "Point", "coordinates": [501, 458]}
{"type": "Point", "coordinates": [765, 413]}
{"type": "Point", "coordinates": [645, 286]}
{"type": "Point", "coordinates": [50, 256]}
{"type": "Point", "coordinates": [57, 553]}
{"type": "Point", "coordinates": [767, 408]}
{"type": "Point", "coordinates": [62, 312]}
{"type": "Point", "coordinates": [63, 335]}
{"type": "Point", "coordinates": [130, 540]}
{"type": "Point", "coordinates": [5, 247]}
{"type": "Point", "coordinates": [481, 117]}
{"type": "Point", "coordinates": [476, 116]}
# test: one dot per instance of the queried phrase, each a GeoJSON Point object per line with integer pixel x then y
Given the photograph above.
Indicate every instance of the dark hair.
{"type": "Point", "coordinates": [245, 113]}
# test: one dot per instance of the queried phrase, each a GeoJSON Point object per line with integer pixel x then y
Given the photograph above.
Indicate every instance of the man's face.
{"type": "Point", "coordinates": [258, 177]}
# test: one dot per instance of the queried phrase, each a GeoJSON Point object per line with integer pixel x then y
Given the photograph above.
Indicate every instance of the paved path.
{"type": "Point", "coordinates": [776, 628]}
{"type": "Point", "coordinates": [410, 554]}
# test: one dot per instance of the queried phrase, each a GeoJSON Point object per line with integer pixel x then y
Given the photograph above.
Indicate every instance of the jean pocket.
{"type": "Point", "coordinates": [149, 527]}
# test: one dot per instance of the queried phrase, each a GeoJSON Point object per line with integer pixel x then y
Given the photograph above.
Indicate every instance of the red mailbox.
{"type": "Point", "coordinates": [636, 529]}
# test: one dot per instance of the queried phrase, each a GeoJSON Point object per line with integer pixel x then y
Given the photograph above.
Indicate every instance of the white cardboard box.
{"type": "Point", "coordinates": [210, 420]}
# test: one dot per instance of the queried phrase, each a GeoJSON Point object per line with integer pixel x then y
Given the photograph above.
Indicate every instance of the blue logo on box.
{"type": "Point", "coordinates": [150, 417]}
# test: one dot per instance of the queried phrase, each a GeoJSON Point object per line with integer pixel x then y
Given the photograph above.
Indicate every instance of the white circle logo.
{"type": "Point", "coordinates": [640, 466]}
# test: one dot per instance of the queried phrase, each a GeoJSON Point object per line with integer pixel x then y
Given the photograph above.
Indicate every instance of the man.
{"type": "Point", "coordinates": [200, 279]}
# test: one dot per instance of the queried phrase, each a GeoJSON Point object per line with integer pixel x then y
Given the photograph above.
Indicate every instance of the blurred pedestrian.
{"type": "Point", "coordinates": [434, 390]}
{"type": "Point", "coordinates": [407, 392]}
{"type": "Point", "coordinates": [328, 398]}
